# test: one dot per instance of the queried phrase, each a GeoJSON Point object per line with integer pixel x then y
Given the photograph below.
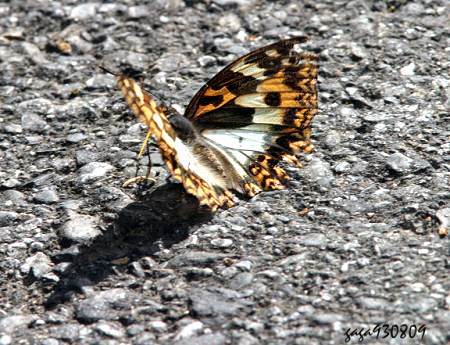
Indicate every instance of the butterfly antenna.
{"type": "Point", "coordinates": [104, 69]}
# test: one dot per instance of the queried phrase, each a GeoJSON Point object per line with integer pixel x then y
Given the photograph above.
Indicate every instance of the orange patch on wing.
{"type": "Point", "coordinates": [273, 85]}
{"type": "Point", "coordinates": [223, 93]}
{"type": "Point", "coordinates": [298, 100]}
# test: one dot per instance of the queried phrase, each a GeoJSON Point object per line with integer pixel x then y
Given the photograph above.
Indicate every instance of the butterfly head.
{"type": "Point", "coordinates": [183, 127]}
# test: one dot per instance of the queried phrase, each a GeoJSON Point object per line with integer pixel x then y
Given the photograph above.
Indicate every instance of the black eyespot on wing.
{"type": "Point", "coordinates": [273, 99]}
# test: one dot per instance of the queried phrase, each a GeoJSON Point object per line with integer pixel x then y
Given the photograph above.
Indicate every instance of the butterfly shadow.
{"type": "Point", "coordinates": [143, 228]}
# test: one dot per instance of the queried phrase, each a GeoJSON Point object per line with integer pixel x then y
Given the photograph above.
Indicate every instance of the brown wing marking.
{"type": "Point", "coordinates": [155, 117]}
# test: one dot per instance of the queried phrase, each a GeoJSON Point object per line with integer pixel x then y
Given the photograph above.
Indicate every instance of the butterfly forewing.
{"type": "Point", "coordinates": [271, 90]}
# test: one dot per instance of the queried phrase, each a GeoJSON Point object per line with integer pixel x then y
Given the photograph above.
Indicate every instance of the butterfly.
{"type": "Point", "coordinates": [239, 126]}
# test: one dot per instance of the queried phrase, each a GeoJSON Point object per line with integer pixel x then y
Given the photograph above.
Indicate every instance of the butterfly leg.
{"type": "Point", "coordinates": [141, 178]}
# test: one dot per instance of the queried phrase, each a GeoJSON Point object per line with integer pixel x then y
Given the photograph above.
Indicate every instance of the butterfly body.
{"type": "Point", "coordinates": [203, 155]}
{"type": "Point", "coordinates": [254, 113]}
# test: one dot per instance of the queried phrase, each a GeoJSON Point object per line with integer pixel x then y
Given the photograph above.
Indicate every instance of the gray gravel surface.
{"type": "Point", "coordinates": [353, 242]}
